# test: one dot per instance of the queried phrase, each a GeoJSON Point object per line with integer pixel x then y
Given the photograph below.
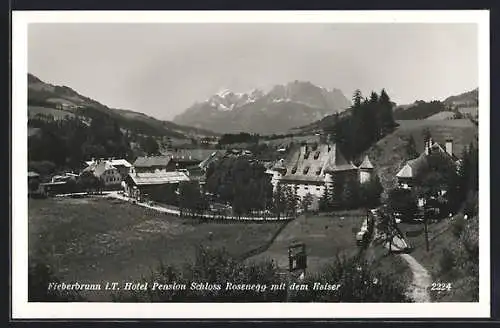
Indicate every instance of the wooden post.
{"type": "Point", "coordinates": [426, 233]}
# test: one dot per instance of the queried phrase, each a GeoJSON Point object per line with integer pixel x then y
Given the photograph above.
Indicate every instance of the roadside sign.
{"type": "Point", "coordinates": [297, 257]}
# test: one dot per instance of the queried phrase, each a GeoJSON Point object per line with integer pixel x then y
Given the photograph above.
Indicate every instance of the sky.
{"type": "Point", "coordinates": [162, 69]}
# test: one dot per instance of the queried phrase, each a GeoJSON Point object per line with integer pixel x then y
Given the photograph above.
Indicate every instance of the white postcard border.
{"type": "Point", "coordinates": [21, 309]}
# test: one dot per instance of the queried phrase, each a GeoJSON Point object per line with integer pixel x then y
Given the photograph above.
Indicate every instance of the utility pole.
{"type": "Point", "coordinates": [426, 232]}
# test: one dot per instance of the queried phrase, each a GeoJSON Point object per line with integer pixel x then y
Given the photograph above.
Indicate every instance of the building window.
{"type": "Point", "coordinates": [318, 189]}
{"type": "Point", "coordinates": [306, 187]}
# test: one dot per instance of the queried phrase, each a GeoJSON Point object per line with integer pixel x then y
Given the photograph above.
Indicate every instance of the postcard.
{"type": "Point", "coordinates": [250, 164]}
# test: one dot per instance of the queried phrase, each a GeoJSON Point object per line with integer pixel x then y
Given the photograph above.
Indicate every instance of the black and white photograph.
{"type": "Point", "coordinates": [324, 159]}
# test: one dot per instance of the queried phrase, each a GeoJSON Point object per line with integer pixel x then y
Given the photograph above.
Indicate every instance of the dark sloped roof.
{"type": "Point", "coordinates": [303, 177]}
{"type": "Point", "coordinates": [149, 161]}
{"type": "Point", "coordinates": [158, 178]}
{"type": "Point", "coordinates": [312, 164]}
{"type": "Point", "coordinates": [338, 162]}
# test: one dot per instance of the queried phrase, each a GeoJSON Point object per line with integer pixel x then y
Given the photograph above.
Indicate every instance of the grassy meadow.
{"type": "Point", "coordinates": [98, 240]}
{"type": "Point", "coordinates": [325, 236]}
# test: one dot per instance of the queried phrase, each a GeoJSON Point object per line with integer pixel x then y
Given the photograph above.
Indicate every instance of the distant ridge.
{"type": "Point", "coordinates": [283, 107]}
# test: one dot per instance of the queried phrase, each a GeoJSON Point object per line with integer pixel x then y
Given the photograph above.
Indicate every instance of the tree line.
{"type": "Point", "coordinates": [369, 121]}
{"type": "Point", "coordinates": [347, 192]}
{"type": "Point", "coordinates": [67, 143]}
{"type": "Point", "coordinates": [420, 110]}
{"type": "Point", "coordinates": [242, 137]}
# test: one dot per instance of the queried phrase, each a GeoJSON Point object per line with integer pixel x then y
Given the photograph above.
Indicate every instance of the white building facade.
{"type": "Point", "coordinates": [312, 169]}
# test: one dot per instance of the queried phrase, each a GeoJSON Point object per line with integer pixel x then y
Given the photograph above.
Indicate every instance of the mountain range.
{"type": "Point", "coordinates": [282, 108]}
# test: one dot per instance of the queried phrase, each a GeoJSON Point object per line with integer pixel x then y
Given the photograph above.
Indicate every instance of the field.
{"type": "Point", "coordinates": [324, 236]}
{"type": "Point", "coordinates": [441, 116]}
{"type": "Point", "coordinates": [95, 240]}
{"type": "Point", "coordinates": [57, 113]}
{"type": "Point", "coordinates": [474, 111]}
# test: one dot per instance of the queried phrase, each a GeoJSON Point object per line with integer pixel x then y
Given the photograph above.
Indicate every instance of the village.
{"type": "Point", "coordinates": [311, 173]}
{"type": "Point", "coordinates": [310, 170]}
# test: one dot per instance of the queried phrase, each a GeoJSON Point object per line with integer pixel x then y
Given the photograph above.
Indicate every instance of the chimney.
{"type": "Point", "coordinates": [428, 146]}
{"type": "Point", "coordinates": [449, 146]}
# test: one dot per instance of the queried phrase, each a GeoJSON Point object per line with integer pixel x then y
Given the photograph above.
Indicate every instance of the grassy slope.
{"type": "Point", "coordinates": [440, 238]}
{"type": "Point", "coordinates": [105, 240]}
{"type": "Point", "coordinates": [56, 113]}
{"type": "Point", "coordinates": [324, 236]}
{"type": "Point", "coordinates": [441, 116]}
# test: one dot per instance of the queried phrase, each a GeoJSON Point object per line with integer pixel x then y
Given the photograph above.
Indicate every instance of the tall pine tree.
{"type": "Point", "coordinates": [387, 118]}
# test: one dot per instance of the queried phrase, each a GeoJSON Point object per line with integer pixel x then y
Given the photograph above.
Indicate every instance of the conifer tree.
{"type": "Point", "coordinates": [411, 148]}
{"type": "Point", "coordinates": [357, 98]}
{"type": "Point", "coordinates": [324, 201]}
{"type": "Point", "coordinates": [387, 117]}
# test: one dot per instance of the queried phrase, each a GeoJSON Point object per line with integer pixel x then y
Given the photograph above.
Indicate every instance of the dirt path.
{"type": "Point", "coordinates": [419, 289]}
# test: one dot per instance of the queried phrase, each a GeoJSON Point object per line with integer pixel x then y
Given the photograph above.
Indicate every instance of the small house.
{"type": "Point", "coordinates": [408, 173]}
{"type": "Point", "coordinates": [122, 165]}
{"type": "Point", "coordinates": [106, 172]}
{"type": "Point", "coordinates": [158, 186]}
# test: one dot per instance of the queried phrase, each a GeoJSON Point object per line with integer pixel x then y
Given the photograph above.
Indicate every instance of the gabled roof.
{"type": "Point", "coordinates": [366, 164]}
{"type": "Point", "coordinates": [413, 166]}
{"type": "Point", "coordinates": [158, 178]}
{"type": "Point", "coordinates": [150, 161]}
{"type": "Point", "coordinates": [98, 168]}
{"type": "Point", "coordinates": [120, 162]}
{"type": "Point", "coordinates": [405, 172]}
{"type": "Point", "coordinates": [114, 162]}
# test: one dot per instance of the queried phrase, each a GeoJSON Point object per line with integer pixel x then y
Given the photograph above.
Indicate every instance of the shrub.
{"type": "Point", "coordinates": [402, 201]}
{"type": "Point", "coordinates": [39, 276]}
{"type": "Point", "coordinates": [358, 282]}
{"type": "Point", "coordinates": [447, 261]}
{"type": "Point", "coordinates": [458, 227]}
